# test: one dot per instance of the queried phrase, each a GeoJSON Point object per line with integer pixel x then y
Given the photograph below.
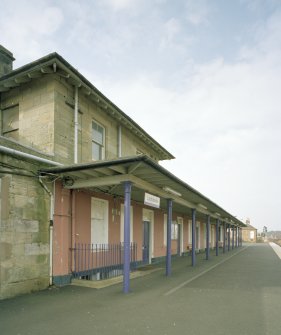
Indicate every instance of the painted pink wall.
{"type": "Point", "coordinates": [77, 229]}
{"type": "Point", "coordinates": [159, 247]}
{"type": "Point", "coordinates": [82, 217]}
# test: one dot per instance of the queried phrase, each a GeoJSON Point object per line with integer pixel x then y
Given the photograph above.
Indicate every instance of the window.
{"type": "Point", "coordinates": [189, 231]}
{"type": "Point", "coordinates": [174, 230]}
{"type": "Point", "coordinates": [98, 135]}
{"type": "Point", "coordinates": [10, 122]}
{"type": "Point", "coordinates": [99, 221]}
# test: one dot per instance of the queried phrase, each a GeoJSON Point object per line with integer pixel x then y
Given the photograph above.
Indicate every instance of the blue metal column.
{"type": "Point", "coordinates": [232, 229]}
{"type": "Point", "coordinates": [193, 217]}
{"type": "Point", "coordinates": [228, 237]}
{"type": "Point", "coordinates": [217, 237]}
{"type": "Point", "coordinates": [224, 237]}
{"type": "Point", "coordinates": [208, 237]}
{"type": "Point", "coordinates": [127, 224]}
{"type": "Point", "coordinates": [169, 224]}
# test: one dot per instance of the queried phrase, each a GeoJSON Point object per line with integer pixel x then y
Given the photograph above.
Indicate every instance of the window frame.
{"type": "Point", "coordinates": [95, 142]}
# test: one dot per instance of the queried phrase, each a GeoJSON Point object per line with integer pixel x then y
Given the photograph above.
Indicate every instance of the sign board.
{"type": "Point", "coordinates": [151, 200]}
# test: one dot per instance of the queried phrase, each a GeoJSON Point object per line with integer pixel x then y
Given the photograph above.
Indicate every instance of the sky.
{"type": "Point", "coordinates": [202, 77]}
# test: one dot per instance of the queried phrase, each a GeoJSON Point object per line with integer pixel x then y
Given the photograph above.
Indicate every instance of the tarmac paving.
{"type": "Point", "coordinates": [238, 292]}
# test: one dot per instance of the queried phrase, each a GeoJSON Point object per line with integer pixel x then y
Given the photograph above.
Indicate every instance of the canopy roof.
{"type": "Point", "coordinates": [146, 175]}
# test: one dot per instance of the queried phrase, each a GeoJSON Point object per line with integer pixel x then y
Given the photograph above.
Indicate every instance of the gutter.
{"type": "Point", "coordinates": [21, 154]}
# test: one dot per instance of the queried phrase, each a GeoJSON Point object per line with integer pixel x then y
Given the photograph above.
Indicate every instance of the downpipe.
{"type": "Point", "coordinates": [51, 226]}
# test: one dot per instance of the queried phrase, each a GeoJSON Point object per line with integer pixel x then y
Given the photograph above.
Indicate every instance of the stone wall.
{"type": "Point", "coordinates": [24, 231]}
{"type": "Point", "coordinates": [88, 111]}
{"type": "Point", "coordinates": [35, 101]}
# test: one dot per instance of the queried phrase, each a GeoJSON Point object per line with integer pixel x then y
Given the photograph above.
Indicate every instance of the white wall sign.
{"type": "Point", "coordinates": [151, 200]}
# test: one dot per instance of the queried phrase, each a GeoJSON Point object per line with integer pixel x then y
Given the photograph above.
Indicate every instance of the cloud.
{"type": "Point", "coordinates": [197, 12]}
{"type": "Point", "coordinates": [121, 4]}
{"type": "Point", "coordinates": [27, 26]}
{"type": "Point", "coordinates": [171, 29]}
{"type": "Point", "coordinates": [223, 125]}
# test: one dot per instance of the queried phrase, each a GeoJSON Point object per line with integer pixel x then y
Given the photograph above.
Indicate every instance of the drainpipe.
{"type": "Point", "coordinates": [51, 228]}
{"type": "Point", "coordinates": [76, 126]}
{"type": "Point", "coordinates": [119, 140]}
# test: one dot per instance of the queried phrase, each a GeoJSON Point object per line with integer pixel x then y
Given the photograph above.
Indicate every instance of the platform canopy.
{"type": "Point", "coordinates": [147, 176]}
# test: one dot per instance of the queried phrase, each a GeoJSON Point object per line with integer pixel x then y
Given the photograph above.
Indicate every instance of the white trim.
{"type": "Point", "coordinates": [198, 225]}
{"type": "Point", "coordinates": [180, 222]}
{"type": "Point", "coordinates": [213, 236]}
{"type": "Point", "coordinates": [189, 232]}
{"type": "Point", "coordinates": [148, 215]}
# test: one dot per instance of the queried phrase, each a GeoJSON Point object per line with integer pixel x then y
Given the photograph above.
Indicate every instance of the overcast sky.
{"type": "Point", "coordinates": [203, 77]}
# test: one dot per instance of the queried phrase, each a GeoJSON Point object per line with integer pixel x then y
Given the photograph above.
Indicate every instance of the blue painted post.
{"type": "Point", "coordinates": [224, 237]}
{"type": "Point", "coordinates": [217, 237]}
{"type": "Point", "coordinates": [127, 223]}
{"type": "Point", "coordinates": [228, 237]}
{"type": "Point", "coordinates": [193, 256]}
{"type": "Point", "coordinates": [208, 237]}
{"type": "Point", "coordinates": [232, 229]}
{"type": "Point", "coordinates": [169, 224]}
{"type": "Point", "coordinates": [236, 234]}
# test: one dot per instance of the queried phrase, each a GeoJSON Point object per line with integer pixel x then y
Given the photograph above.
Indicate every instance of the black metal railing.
{"type": "Point", "coordinates": [101, 261]}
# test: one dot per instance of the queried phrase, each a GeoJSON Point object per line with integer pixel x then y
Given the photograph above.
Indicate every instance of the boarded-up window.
{"type": "Point", "coordinates": [10, 122]}
{"type": "Point", "coordinates": [99, 221]}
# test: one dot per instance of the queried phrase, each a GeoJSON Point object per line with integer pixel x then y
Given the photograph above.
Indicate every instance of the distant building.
{"type": "Point", "coordinates": [249, 233]}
